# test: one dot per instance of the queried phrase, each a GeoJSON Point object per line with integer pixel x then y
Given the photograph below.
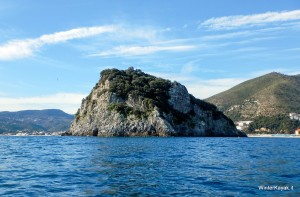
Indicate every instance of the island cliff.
{"type": "Point", "coordinates": [132, 103]}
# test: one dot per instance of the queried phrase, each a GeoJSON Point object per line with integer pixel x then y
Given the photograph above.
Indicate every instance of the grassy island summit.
{"type": "Point", "coordinates": [133, 103]}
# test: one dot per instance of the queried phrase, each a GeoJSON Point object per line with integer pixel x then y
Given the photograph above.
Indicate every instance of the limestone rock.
{"type": "Point", "coordinates": [132, 103]}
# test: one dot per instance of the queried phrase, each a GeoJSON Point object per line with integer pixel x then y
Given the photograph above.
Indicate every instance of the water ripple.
{"type": "Point", "coordinates": [89, 166]}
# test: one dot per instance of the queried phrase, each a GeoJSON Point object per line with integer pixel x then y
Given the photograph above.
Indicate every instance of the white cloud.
{"type": "Point", "coordinates": [232, 22]}
{"type": "Point", "coordinates": [68, 102]}
{"type": "Point", "coordinates": [18, 49]}
{"type": "Point", "coordinates": [75, 33]}
{"type": "Point", "coordinates": [142, 50]}
{"type": "Point", "coordinates": [201, 88]}
{"type": "Point", "coordinates": [297, 72]}
{"type": "Point", "coordinates": [131, 32]}
{"type": "Point", "coordinates": [205, 88]}
{"type": "Point", "coordinates": [23, 48]}
{"type": "Point", "coordinates": [297, 49]}
{"type": "Point", "coordinates": [228, 35]}
{"type": "Point", "coordinates": [203, 91]}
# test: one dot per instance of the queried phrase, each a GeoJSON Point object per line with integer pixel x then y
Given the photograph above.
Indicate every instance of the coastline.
{"type": "Point", "coordinates": [274, 135]}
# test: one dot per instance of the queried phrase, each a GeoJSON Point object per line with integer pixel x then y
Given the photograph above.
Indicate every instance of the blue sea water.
{"type": "Point", "coordinates": [93, 166]}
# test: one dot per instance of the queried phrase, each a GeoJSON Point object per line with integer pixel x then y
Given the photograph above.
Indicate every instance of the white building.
{"type": "Point", "coordinates": [294, 116]}
{"type": "Point", "coordinates": [240, 125]}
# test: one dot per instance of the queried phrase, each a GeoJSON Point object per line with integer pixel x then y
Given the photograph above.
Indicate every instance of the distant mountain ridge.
{"type": "Point", "coordinates": [269, 95]}
{"type": "Point", "coordinates": [48, 120]}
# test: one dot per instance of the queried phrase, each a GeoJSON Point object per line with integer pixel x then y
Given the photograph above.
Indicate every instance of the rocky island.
{"type": "Point", "coordinates": [132, 103]}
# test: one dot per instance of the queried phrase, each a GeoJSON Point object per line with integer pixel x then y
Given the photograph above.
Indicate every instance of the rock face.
{"type": "Point", "coordinates": [132, 103]}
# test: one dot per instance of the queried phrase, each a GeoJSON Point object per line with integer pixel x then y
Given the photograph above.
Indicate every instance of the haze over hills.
{"type": "Point", "coordinates": [49, 120]}
{"type": "Point", "coordinates": [268, 95]}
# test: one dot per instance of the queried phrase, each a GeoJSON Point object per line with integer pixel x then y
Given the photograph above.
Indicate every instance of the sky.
{"type": "Point", "coordinates": [52, 52]}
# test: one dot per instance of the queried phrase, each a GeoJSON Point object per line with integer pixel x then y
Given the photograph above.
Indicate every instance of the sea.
{"type": "Point", "coordinates": [148, 166]}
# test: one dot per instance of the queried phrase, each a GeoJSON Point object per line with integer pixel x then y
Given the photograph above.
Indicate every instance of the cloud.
{"type": "Point", "coordinates": [75, 33]}
{"type": "Point", "coordinates": [126, 32]}
{"type": "Point", "coordinates": [233, 22]}
{"type": "Point", "coordinates": [23, 48]}
{"type": "Point", "coordinates": [143, 50]}
{"type": "Point", "coordinates": [205, 88]}
{"type": "Point", "coordinates": [296, 72]}
{"type": "Point", "coordinates": [228, 35]}
{"type": "Point", "coordinates": [2, 94]}
{"type": "Point", "coordinates": [68, 102]}
{"type": "Point", "coordinates": [297, 49]}
{"type": "Point", "coordinates": [201, 88]}
{"type": "Point", "coordinates": [18, 49]}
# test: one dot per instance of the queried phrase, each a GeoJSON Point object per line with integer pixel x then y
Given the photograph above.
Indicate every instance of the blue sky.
{"type": "Point", "coordinates": [51, 52]}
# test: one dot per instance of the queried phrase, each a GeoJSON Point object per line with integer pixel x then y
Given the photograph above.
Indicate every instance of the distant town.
{"type": "Point", "coordinates": [243, 125]}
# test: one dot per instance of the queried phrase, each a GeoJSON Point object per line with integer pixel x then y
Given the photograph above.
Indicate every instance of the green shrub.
{"type": "Point", "coordinates": [153, 91]}
{"type": "Point", "coordinates": [126, 110]}
{"type": "Point", "coordinates": [137, 83]}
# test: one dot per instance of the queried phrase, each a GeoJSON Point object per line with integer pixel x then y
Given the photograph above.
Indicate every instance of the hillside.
{"type": "Point", "coordinates": [268, 95]}
{"type": "Point", "coordinates": [49, 120]}
{"type": "Point", "coordinates": [132, 103]}
{"type": "Point", "coordinates": [268, 101]}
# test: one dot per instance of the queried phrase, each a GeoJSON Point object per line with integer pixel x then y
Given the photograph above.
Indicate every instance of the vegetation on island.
{"type": "Point", "coordinates": [154, 92]}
